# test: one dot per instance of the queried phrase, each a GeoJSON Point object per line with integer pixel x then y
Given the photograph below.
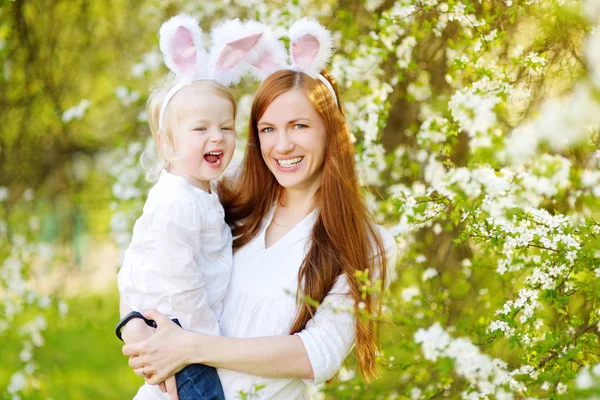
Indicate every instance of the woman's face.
{"type": "Point", "coordinates": [292, 140]}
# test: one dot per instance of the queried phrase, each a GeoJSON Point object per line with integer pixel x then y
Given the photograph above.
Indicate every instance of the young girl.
{"type": "Point", "coordinates": [179, 259]}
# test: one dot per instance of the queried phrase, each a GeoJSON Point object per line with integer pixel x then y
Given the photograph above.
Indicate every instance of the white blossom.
{"type": "Point", "coordinates": [77, 111]}
{"type": "Point", "coordinates": [535, 64]}
{"type": "Point", "coordinates": [584, 379]}
{"type": "Point", "coordinates": [429, 273]}
{"type": "Point", "coordinates": [409, 293]}
{"type": "Point", "coordinates": [486, 374]}
{"type": "Point", "coordinates": [3, 193]}
{"type": "Point", "coordinates": [126, 96]}
{"type": "Point", "coordinates": [17, 383]}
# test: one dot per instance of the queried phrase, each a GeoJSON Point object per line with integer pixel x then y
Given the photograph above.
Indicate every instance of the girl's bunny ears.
{"type": "Point", "coordinates": [182, 45]}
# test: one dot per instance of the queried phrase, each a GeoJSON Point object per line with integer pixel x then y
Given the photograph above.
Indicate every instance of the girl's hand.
{"type": "Point", "coordinates": [170, 387]}
{"type": "Point", "coordinates": [163, 354]}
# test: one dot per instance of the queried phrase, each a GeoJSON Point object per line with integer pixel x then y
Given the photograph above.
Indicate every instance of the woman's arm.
{"type": "Point", "coordinates": [270, 356]}
{"type": "Point", "coordinates": [315, 354]}
{"type": "Point", "coordinates": [171, 349]}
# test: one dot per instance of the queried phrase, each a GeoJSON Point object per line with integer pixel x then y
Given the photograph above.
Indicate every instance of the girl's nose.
{"type": "Point", "coordinates": [216, 136]}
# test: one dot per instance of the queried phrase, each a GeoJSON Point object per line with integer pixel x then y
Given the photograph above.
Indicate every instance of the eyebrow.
{"type": "Point", "coordinates": [288, 123]}
{"type": "Point", "coordinates": [204, 121]}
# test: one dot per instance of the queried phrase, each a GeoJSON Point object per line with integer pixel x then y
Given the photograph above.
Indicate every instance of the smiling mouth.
{"type": "Point", "coordinates": [213, 157]}
{"type": "Point", "coordinates": [289, 163]}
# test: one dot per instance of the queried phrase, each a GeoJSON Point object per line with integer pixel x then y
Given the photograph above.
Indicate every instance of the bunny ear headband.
{"type": "Point", "coordinates": [183, 49]}
{"type": "Point", "coordinates": [238, 47]}
{"type": "Point", "coordinates": [310, 50]}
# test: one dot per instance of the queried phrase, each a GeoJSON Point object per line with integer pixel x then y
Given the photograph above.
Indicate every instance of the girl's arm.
{"type": "Point", "coordinates": [136, 329]}
{"type": "Point", "coordinates": [124, 309]}
{"type": "Point", "coordinates": [168, 266]}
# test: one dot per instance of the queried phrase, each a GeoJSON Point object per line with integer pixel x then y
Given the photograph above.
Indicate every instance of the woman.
{"type": "Point", "coordinates": [302, 232]}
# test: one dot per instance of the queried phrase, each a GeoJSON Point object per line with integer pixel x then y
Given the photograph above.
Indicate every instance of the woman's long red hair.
{"type": "Point", "coordinates": [343, 235]}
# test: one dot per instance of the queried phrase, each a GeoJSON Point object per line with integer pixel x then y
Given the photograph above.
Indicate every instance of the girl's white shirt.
{"type": "Point", "coordinates": [261, 301]}
{"type": "Point", "coordinates": [180, 256]}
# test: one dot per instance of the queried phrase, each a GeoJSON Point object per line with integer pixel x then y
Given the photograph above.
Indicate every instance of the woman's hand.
{"type": "Point", "coordinates": [161, 355]}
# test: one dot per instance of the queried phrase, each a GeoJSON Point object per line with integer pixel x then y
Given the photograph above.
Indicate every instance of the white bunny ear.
{"type": "Point", "coordinates": [311, 46]}
{"type": "Point", "coordinates": [269, 56]}
{"type": "Point", "coordinates": [232, 41]}
{"type": "Point", "coordinates": [183, 47]}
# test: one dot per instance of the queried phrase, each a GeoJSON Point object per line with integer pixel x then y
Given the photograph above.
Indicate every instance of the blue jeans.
{"type": "Point", "coordinates": [198, 382]}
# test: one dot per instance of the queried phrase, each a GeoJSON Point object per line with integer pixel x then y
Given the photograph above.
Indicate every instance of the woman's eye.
{"type": "Point", "coordinates": [300, 126]}
{"type": "Point", "coordinates": [267, 129]}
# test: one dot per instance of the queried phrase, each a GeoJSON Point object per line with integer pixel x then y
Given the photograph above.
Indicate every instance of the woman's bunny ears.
{"type": "Point", "coordinates": [310, 50]}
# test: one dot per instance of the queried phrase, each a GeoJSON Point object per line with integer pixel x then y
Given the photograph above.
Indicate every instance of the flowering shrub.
{"type": "Point", "coordinates": [23, 260]}
{"type": "Point", "coordinates": [490, 181]}
{"type": "Point", "coordinates": [476, 130]}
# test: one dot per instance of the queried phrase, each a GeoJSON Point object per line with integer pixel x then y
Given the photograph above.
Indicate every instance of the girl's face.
{"type": "Point", "coordinates": [292, 140]}
{"type": "Point", "coordinates": [204, 134]}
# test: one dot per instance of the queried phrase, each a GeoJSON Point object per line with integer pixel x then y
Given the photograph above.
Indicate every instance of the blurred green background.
{"type": "Point", "coordinates": [74, 78]}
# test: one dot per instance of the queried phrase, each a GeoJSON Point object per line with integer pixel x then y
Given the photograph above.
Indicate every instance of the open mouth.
{"type": "Point", "coordinates": [213, 157]}
{"type": "Point", "coordinates": [290, 162]}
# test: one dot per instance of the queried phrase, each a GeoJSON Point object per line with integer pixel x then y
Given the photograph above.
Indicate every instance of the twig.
{"type": "Point", "coordinates": [581, 331]}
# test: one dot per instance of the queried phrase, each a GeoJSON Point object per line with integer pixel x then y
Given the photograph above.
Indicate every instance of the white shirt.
{"type": "Point", "coordinates": [179, 259]}
{"type": "Point", "coordinates": [261, 301]}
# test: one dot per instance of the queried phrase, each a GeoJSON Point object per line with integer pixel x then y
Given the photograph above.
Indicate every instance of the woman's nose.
{"type": "Point", "coordinates": [284, 143]}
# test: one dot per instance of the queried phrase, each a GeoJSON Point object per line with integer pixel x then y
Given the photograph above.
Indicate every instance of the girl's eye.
{"type": "Point", "coordinates": [201, 129]}
{"type": "Point", "coordinates": [227, 128]}
{"type": "Point", "coordinates": [268, 129]}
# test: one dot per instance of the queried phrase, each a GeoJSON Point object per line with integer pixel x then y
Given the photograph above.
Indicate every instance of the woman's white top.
{"type": "Point", "coordinates": [261, 301]}
{"type": "Point", "coordinates": [179, 259]}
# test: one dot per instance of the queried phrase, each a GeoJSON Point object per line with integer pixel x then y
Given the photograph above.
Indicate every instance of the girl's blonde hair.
{"type": "Point", "coordinates": [166, 153]}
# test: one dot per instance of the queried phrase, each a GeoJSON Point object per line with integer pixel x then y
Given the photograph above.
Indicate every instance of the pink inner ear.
{"type": "Point", "coordinates": [266, 62]}
{"type": "Point", "coordinates": [305, 50]}
{"type": "Point", "coordinates": [183, 50]}
{"type": "Point", "coordinates": [235, 51]}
